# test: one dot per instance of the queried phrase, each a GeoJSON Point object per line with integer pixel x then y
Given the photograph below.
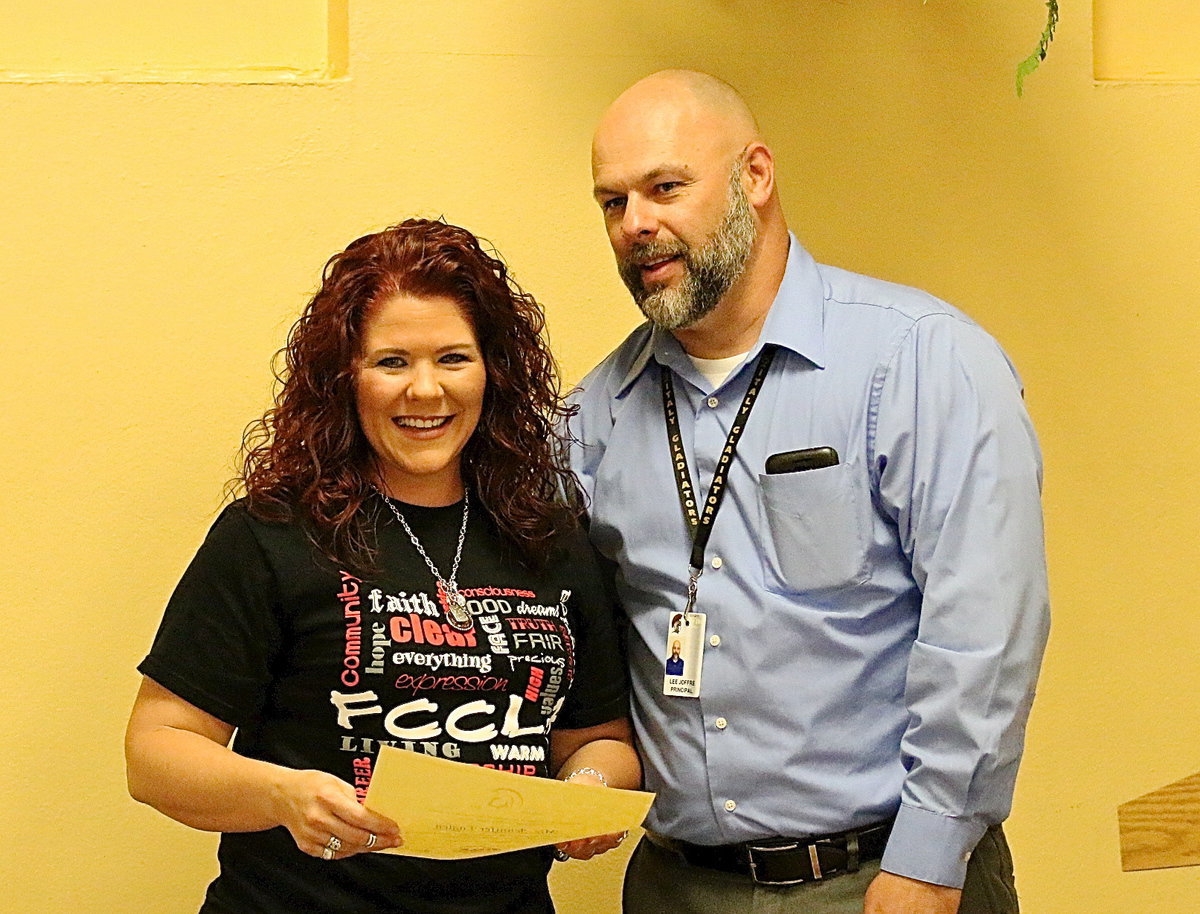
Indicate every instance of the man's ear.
{"type": "Point", "coordinates": [758, 174]}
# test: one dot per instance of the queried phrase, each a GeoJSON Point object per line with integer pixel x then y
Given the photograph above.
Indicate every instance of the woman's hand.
{"type": "Point", "coordinates": [316, 807]}
{"type": "Point", "coordinates": [587, 848]}
{"type": "Point", "coordinates": [602, 756]}
{"type": "Point", "coordinates": [178, 761]}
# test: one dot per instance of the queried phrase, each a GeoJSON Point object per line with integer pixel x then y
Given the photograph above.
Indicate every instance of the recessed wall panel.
{"type": "Point", "coordinates": [179, 41]}
{"type": "Point", "coordinates": [1146, 40]}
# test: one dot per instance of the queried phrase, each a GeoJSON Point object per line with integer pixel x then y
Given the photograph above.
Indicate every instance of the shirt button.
{"type": "Point", "coordinates": [713, 402]}
{"type": "Point", "coordinates": [722, 723]}
{"type": "Point", "coordinates": [730, 806]}
{"type": "Point", "coordinates": [715, 640]}
{"type": "Point", "coordinates": [717, 562]}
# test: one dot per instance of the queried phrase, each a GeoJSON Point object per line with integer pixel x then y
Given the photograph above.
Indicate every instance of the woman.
{"type": "Point", "coordinates": [402, 569]}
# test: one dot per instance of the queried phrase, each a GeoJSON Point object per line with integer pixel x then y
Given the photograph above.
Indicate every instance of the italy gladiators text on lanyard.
{"type": "Point", "coordinates": [684, 651]}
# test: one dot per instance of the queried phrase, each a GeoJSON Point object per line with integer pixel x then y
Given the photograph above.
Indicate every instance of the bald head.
{"type": "Point", "coordinates": [712, 93]}
{"type": "Point", "coordinates": [694, 108]}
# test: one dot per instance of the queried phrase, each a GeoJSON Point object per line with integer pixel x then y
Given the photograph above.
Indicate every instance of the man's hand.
{"type": "Point", "coordinates": [892, 894]}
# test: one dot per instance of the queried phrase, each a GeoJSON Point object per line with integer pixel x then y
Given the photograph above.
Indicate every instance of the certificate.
{"type": "Point", "coordinates": [449, 810]}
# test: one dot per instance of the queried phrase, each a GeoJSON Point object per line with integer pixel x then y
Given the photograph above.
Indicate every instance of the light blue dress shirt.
{"type": "Point", "coordinates": [874, 629]}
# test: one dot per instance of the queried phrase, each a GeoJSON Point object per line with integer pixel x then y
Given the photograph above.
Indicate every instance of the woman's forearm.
{"type": "Point", "coordinates": [202, 783]}
{"type": "Point", "coordinates": [616, 761]}
{"type": "Point", "coordinates": [596, 755]}
{"type": "Point", "coordinates": [178, 760]}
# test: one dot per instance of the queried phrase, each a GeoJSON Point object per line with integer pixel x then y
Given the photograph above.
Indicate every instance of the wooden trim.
{"type": "Point", "coordinates": [1162, 828]}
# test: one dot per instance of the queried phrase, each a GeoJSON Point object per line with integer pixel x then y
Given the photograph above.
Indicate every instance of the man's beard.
{"type": "Point", "coordinates": [709, 271]}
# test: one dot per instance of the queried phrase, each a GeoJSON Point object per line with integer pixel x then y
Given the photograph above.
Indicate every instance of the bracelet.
{"type": "Point", "coordinates": [587, 769]}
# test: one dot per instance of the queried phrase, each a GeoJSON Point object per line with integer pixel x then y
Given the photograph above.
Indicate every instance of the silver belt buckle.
{"type": "Point", "coordinates": [752, 849]}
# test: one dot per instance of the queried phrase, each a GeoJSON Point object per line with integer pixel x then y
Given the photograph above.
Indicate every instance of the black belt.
{"type": "Point", "coordinates": [786, 861]}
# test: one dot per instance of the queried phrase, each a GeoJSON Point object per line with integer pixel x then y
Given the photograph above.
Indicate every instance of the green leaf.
{"type": "Point", "coordinates": [1031, 63]}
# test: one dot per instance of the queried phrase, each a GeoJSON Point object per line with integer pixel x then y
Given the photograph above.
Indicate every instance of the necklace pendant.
{"type": "Point", "coordinates": [456, 610]}
{"type": "Point", "coordinates": [453, 602]}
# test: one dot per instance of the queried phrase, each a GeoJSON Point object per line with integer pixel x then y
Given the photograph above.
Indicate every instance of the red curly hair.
{"type": "Point", "coordinates": [307, 458]}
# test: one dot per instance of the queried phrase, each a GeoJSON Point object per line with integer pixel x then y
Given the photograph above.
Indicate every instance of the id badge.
{"type": "Point", "coordinates": [684, 655]}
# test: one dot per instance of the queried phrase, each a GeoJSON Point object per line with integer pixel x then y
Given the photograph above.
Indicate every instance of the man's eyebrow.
{"type": "Point", "coordinates": [649, 177]}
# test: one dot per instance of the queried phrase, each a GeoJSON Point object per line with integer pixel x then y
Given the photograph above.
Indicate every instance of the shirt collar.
{"type": "Point", "coordinates": [795, 322]}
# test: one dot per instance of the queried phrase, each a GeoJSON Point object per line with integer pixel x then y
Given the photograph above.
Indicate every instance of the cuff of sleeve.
{"type": "Point", "coordinates": [597, 712]}
{"type": "Point", "coordinates": [193, 694]}
{"type": "Point", "coordinates": [931, 847]}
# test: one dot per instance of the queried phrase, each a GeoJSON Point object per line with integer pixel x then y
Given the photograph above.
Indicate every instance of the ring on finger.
{"type": "Point", "coordinates": [371, 841]}
{"type": "Point", "coordinates": [332, 846]}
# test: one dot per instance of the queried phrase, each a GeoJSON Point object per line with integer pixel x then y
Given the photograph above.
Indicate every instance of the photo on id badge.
{"type": "Point", "coordinates": [684, 655]}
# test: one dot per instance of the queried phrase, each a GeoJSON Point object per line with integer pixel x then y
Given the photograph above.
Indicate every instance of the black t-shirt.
{"type": "Point", "coordinates": [317, 666]}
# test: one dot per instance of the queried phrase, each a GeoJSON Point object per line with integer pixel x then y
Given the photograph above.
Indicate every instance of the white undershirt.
{"type": "Point", "coordinates": [717, 370]}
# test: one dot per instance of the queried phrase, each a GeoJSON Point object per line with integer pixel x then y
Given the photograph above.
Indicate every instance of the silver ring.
{"type": "Point", "coordinates": [371, 841]}
{"type": "Point", "coordinates": [332, 846]}
{"type": "Point", "coordinates": [560, 856]}
{"type": "Point", "coordinates": [327, 853]}
{"type": "Point", "coordinates": [622, 837]}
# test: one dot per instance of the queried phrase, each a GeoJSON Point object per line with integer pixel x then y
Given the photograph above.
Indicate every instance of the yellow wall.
{"type": "Point", "coordinates": [212, 40]}
{"type": "Point", "coordinates": [1146, 40]}
{"type": "Point", "coordinates": [158, 240]}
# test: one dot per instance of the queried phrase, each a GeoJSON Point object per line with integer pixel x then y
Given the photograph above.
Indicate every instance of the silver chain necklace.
{"type": "Point", "coordinates": [456, 604]}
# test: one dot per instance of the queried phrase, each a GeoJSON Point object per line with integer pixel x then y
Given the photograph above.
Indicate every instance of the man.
{"type": "Point", "coordinates": [862, 570]}
{"type": "Point", "coordinates": [675, 662]}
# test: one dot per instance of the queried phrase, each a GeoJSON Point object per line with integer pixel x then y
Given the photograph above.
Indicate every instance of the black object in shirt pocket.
{"type": "Point", "coordinates": [816, 526]}
{"type": "Point", "coordinates": [809, 458]}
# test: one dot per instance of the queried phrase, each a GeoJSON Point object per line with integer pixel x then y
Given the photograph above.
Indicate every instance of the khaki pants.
{"type": "Point", "coordinates": [659, 882]}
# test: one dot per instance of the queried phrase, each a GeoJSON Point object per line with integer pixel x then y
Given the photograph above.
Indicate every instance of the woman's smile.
{"type": "Point", "coordinates": [421, 380]}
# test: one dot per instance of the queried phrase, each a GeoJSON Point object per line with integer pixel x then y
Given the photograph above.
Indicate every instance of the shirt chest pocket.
{"type": "Point", "coordinates": [816, 527]}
